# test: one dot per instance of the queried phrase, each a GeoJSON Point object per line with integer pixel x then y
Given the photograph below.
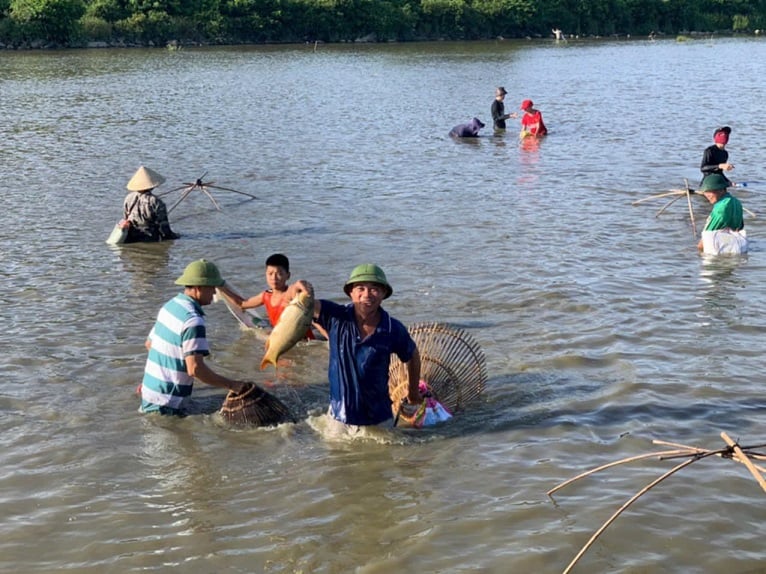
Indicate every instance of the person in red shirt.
{"type": "Point", "coordinates": [532, 120]}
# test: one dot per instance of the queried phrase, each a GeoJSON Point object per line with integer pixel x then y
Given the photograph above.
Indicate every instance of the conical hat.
{"type": "Point", "coordinates": [451, 363]}
{"type": "Point", "coordinates": [145, 178]}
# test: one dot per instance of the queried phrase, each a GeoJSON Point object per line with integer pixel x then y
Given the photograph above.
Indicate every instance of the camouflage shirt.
{"type": "Point", "coordinates": [148, 217]}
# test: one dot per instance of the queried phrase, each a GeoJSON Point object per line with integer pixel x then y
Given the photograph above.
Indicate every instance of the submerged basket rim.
{"type": "Point", "coordinates": [255, 406]}
{"type": "Point", "coordinates": [236, 401]}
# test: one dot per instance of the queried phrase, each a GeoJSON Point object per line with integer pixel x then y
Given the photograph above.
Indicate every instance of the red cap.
{"type": "Point", "coordinates": [721, 138]}
{"type": "Point", "coordinates": [526, 104]}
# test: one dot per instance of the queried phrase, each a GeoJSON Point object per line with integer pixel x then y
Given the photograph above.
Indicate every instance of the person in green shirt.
{"type": "Point", "coordinates": [724, 230]}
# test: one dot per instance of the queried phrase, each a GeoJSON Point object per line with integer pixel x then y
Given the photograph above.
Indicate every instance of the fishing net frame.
{"type": "Point", "coordinates": [451, 362]}
{"type": "Point", "coordinates": [254, 407]}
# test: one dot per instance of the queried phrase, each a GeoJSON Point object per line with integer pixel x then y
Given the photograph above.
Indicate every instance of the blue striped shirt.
{"type": "Point", "coordinates": [178, 332]}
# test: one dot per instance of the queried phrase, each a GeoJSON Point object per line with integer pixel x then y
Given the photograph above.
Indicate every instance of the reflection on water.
{"type": "Point", "coordinates": [724, 283]}
{"type": "Point", "coordinates": [716, 269]}
{"type": "Point", "coordinates": [602, 326]}
{"type": "Point", "coordinates": [140, 264]}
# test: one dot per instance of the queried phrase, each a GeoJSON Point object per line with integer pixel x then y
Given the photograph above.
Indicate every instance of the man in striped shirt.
{"type": "Point", "coordinates": [177, 345]}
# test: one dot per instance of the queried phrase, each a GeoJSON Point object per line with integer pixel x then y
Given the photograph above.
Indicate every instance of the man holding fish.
{"type": "Point", "coordinates": [362, 337]}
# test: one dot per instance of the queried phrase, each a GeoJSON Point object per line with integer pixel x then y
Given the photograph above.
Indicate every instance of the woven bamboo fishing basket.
{"type": "Point", "coordinates": [254, 407]}
{"type": "Point", "coordinates": [452, 364]}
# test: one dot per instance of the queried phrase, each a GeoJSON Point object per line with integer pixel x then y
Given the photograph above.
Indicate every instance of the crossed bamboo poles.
{"type": "Point", "coordinates": [203, 187]}
{"type": "Point", "coordinates": [733, 451]}
{"type": "Point", "coordinates": [679, 193]}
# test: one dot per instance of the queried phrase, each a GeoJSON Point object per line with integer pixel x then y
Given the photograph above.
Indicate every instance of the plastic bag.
{"type": "Point", "coordinates": [429, 412]}
{"type": "Point", "coordinates": [724, 241]}
{"type": "Point", "coordinates": [119, 234]}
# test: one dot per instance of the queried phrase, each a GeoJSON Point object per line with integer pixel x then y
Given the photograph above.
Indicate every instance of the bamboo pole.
{"type": "Point", "coordinates": [623, 461]}
{"type": "Point", "coordinates": [186, 192]}
{"type": "Point", "coordinates": [691, 209]}
{"type": "Point", "coordinates": [756, 455]}
{"type": "Point", "coordinates": [204, 187]}
{"type": "Point", "coordinates": [659, 195]}
{"type": "Point", "coordinates": [752, 455]}
{"type": "Point", "coordinates": [675, 444]}
{"type": "Point", "coordinates": [744, 459]}
{"type": "Point", "coordinates": [757, 466]}
{"type": "Point", "coordinates": [210, 184]}
{"type": "Point", "coordinates": [668, 204]}
{"type": "Point", "coordinates": [625, 506]}
{"type": "Point", "coordinates": [734, 451]}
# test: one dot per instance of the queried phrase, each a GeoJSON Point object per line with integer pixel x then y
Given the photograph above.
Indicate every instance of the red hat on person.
{"type": "Point", "coordinates": [721, 135]}
{"type": "Point", "coordinates": [526, 104]}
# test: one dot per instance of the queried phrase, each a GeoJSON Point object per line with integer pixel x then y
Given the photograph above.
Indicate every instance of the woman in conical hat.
{"type": "Point", "coordinates": [145, 179]}
{"type": "Point", "coordinates": [144, 214]}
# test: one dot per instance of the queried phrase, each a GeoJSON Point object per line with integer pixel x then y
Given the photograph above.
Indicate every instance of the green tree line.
{"type": "Point", "coordinates": [157, 22]}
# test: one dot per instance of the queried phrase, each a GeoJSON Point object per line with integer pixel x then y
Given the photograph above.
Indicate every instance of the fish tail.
{"type": "Point", "coordinates": [266, 361]}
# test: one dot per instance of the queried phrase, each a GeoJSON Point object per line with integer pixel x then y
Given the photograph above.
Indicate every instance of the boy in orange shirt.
{"type": "Point", "coordinates": [276, 298]}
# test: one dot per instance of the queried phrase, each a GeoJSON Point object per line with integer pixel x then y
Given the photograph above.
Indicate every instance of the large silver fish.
{"type": "Point", "coordinates": [293, 324]}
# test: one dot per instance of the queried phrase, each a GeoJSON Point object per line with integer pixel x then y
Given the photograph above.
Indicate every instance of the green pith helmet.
{"type": "Point", "coordinates": [200, 273]}
{"type": "Point", "coordinates": [368, 273]}
{"type": "Point", "coordinates": [714, 182]}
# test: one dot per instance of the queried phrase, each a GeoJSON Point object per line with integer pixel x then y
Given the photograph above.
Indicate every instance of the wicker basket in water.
{"type": "Point", "coordinates": [452, 363]}
{"type": "Point", "coordinates": [255, 407]}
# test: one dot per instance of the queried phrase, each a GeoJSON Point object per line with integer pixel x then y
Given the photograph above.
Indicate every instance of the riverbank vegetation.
{"type": "Point", "coordinates": [62, 23]}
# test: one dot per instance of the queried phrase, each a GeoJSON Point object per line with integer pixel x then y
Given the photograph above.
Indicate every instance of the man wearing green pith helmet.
{"type": "Point", "coordinates": [725, 226]}
{"type": "Point", "coordinates": [362, 337]}
{"type": "Point", "coordinates": [177, 345]}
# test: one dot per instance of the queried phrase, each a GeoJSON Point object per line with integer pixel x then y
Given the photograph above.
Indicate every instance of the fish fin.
{"type": "Point", "coordinates": [266, 362]}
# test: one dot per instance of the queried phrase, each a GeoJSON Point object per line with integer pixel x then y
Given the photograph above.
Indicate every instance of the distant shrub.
{"type": "Point", "coordinates": [10, 32]}
{"type": "Point", "coordinates": [153, 26]}
{"type": "Point", "coordinates": [52, 20]}
{"type": "Point", "coordinates": [740, 23]}
{"type": "Point", "coordinates": [94, 29]}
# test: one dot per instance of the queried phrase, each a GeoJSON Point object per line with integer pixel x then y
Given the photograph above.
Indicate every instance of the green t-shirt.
{"type": "Point", "coordinates": [727, 213]}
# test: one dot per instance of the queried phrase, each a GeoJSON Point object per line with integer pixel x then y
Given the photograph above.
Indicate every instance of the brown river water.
{"type": "Point", "coordinates": [602, 327]}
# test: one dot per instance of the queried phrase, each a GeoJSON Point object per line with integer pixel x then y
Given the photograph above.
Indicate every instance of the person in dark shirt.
{"type": "Point", "coordinates": [362, 336]}
{"type": "Point", "coordinates": [715, 158]}
{"type": "Point", "coordinates": [467, 130]}
{"type": "Point", "coordinates": [498, 109]}
{"type": "Point", "coordinates": [144, 214]}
